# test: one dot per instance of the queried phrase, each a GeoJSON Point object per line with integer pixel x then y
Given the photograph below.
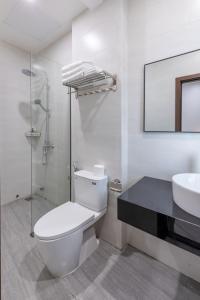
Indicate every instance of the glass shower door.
{"type": "Point", "coordinates": [50, 138]}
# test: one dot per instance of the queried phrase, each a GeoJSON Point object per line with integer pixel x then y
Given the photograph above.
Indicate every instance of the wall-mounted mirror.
{"type": "Point", "coordinates": [172, 94]}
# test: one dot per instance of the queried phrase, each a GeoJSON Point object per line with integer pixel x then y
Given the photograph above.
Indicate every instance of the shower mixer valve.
{"type": "Point", "coordinates": [48, 147]}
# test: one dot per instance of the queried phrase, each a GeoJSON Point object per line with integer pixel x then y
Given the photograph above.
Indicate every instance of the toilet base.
{"type": "Point", "coordinates": [89, 244]}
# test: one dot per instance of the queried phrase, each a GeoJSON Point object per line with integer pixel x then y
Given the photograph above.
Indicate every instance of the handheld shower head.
{"type": "Point", "coordinates": [28, 73]}
{"type": "Point", "coordinates": [39, 102]}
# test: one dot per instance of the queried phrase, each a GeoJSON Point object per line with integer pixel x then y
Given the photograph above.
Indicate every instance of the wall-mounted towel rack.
{"type": "Point", "coordinates": [87, 85]}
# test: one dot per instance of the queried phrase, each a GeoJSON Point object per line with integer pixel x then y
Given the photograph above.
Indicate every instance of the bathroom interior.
{"type": "Point", "coordinates": [100, 149]}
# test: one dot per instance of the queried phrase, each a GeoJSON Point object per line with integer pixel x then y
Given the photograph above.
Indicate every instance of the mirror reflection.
{"type": "Point", "coordinates": [172, 94]}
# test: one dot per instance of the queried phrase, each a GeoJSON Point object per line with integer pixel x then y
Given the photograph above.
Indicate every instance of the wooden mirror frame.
{"type": "Point", "coordinates": [178, 101]}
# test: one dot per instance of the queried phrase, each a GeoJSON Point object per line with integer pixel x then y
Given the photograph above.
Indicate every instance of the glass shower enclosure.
{"type": "Point", "coordinates": [49, 136]}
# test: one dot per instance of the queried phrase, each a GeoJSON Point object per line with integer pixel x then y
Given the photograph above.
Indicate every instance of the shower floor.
{"type": "Point", "coordinates": [108, 274]}
{"type": "Point", "coordinates": [40, 206]}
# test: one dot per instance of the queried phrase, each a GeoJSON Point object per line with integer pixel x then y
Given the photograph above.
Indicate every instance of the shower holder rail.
{"type": "Point", "coordinates": [84, 86]}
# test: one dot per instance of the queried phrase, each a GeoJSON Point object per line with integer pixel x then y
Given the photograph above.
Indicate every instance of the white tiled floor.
{"type": "Point", "coordinates": [107, 274]}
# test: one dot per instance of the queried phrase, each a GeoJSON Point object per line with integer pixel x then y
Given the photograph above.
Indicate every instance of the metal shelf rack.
{"type": "Point", "coordinates": [33, 134]}
{"type": "Point", "coordinates": [88, 85]}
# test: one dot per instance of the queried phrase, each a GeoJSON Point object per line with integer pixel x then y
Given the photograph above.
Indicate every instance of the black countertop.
{"type": "Point", "coordinates": [156, 195]}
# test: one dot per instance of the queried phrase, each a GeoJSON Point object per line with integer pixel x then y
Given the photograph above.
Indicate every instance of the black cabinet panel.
{"type": "Point", "coordinates": [149, 218]}
{"type": "Point", "coordinates": [141, 218]}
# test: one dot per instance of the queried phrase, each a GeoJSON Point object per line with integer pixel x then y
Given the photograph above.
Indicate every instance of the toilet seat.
{"type": "Point", "coordinates": [62, 221]}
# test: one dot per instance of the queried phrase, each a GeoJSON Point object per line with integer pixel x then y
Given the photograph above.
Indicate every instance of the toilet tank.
{"type": "Point", "coordinates": [91, 191]}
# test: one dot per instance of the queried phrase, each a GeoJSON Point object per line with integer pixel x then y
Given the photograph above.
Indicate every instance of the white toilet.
{"type": "Point", "coordinates": [65, 235]}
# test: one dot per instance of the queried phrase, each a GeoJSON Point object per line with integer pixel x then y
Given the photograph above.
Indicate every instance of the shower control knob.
{"type": "Point", "coordinates": [49, 147]}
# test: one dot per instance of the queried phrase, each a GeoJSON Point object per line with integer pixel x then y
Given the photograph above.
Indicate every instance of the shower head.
{"type": "Point", "coordinates": [39, 102]}
{"type": "Point", "coordinates": [28, 73]}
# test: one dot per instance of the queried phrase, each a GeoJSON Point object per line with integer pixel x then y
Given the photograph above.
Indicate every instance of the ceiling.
{"type": "Point", "coordinates": [32, 25]}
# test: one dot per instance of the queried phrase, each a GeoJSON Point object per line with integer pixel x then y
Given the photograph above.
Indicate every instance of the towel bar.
{"type": "Point", "coordinates": [84, 86]}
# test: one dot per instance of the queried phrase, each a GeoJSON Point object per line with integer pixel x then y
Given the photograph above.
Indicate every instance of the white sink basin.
{"type": "Point", "coordinates": [186, 192]}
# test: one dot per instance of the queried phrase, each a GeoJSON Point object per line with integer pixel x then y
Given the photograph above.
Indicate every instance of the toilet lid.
{"type": "Point", "coordinates": [62, 220]}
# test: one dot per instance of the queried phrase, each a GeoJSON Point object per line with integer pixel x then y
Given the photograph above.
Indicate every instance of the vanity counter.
{"type": "Point", "coordinates": [149, 205]}
{"type": "Point", "coordinates": [156, 195]}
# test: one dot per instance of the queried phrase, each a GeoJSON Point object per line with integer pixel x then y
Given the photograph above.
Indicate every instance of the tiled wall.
{"type": "Point", "coordinates": [156, 30]}
{"type": "Point", "coordinates": [14, 122]}
{"type": "Point", "coordinates": [96, 120]}
{"type": "Point", "coordinates": [53, 177]}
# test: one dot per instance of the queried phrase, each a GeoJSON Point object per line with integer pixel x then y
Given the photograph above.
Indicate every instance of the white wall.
{"type": "Point", "coordinates": [107, 129]}
{"type": "Point", "coordinates": [96, 119]}
{"type": "Point", "coordinates": [154, 32]}
{"type": "Point", "coordinates": [177, 258]}
{"type": "Point", "coordinates": [159, 29]}
{"type": "Point", "coordinates": [14, 122]}
{"type": "Point", "coordinates": [60, 51]}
